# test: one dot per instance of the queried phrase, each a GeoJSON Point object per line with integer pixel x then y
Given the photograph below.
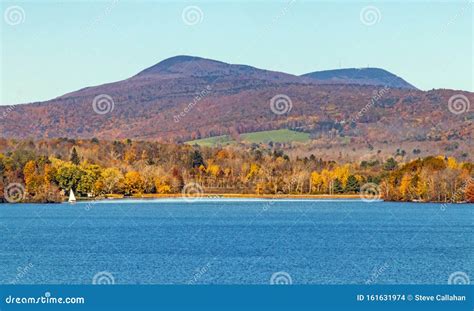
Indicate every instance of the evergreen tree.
{"type": "Point", "coordinates": [337, 186]}
{"type": "Point", "coordinates": [390, 165]}
{"type": "Point", "coordinates": [352, 184]}
{"type": "Point", "coordinates": [75, 157]}
{"type": "Point", "coordinates": [197, 159]}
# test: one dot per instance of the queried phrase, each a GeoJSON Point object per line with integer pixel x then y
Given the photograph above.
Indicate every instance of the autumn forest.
{"type": "Point", "coordinates": [47, 170]}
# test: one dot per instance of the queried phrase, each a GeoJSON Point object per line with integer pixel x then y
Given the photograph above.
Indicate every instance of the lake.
{"type": "Point", "coordinates": [227, 241]}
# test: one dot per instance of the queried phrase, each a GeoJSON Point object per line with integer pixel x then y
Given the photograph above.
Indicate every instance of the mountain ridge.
{"type": "Point", "coordinates": [361, 76]}
{"type": "Point", "coordinates": [187, 66]}
{"type": "Point", "coordinates": [188, 98]}
{"type": "Point", "coordinates": [182, 64]}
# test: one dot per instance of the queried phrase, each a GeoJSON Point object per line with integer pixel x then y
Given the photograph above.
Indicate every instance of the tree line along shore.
{"type": "Point", "coordinates": [45, 171]}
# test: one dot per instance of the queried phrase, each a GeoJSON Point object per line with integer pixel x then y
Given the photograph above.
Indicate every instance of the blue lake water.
{"type": "Point", "coordinates": [235, 242]}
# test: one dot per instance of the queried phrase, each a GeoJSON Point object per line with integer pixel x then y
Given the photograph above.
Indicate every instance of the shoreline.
{"type": "Point", "coordinates": [251, 196]}
{"type": "Point", "coordinates": [229, 196]}
{"type": "Point", "coordinates": [232, 196]}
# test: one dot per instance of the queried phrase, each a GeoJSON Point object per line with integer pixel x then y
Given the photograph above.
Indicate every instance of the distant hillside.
{"type": "Point", "coordinates": [362, 76]}
{"type": "Point", "coordinates": [187, 98]}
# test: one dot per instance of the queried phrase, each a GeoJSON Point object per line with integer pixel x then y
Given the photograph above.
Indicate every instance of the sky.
{"type": "Point", "coordinates": [49, 48]}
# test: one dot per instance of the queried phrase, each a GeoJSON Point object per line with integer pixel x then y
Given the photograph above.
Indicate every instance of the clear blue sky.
{"type": "Point", "coordinates": [62, 46]}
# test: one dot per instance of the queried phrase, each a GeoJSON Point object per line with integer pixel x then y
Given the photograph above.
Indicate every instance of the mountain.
{"type": "Point", "coordinates": [184, 98]}
{"type": "Point", "coordinates": [360, 76]}
{"type": "Point", "coordinates": [191, 66]}
{"type": "Point", "coordinates": [174, 73]}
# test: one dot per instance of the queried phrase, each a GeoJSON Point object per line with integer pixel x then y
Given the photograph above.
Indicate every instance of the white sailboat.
{"type": "Point", "coordinates": [72, 197]}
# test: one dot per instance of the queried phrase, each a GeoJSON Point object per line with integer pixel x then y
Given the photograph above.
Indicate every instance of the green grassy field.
{"type": "Point", "coordinates": [212, 141]}
{"type": "Point", "coordinates": [276, 136]}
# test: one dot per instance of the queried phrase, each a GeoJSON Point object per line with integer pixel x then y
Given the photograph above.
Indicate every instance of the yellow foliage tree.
{"type": "Point", "coordinates": [316, 182]}
{"type": "Point", "coordinates": [342, 173]}
{"type": "Point", "coordinates": [327, 178]}
{"type": "Point", "coordinates": [421, 188]}
{"type": "Point", "coordinates": [134, 183]}
{"type": "Point", "coordinates": [405, 187]}
{"type": "Point", "coordinates": [33, 181]}
{"type": "Point", "coordinates": [162, 185]}
{"type": "Point", "coordinates": [110, 180]}
{"type": "Point", "coordinates": [213, 169]}
{"type": "Point", "coordinates": [452, 163]}
{"type": "Point", "coordinates": [254, 169]}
